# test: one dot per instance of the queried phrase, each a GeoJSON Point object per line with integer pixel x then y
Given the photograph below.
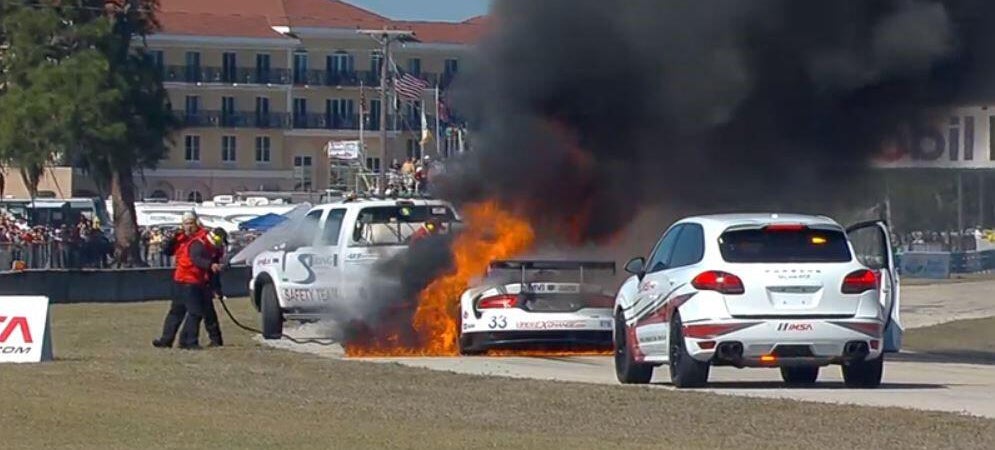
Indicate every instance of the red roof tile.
{"type": "Point", "coordinates": [254, 18]}
{"type": "Point", "coordinates": [332, 14]}
{"type": "Point", "coordinates": [443, 32]}
{"type": "Point", "coordinates": [271, 9]}
{"type": "Point", "coordinates": [199, 24]}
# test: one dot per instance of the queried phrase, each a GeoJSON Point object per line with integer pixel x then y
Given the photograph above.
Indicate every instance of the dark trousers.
{"type": "Point", "coordinates": [188, 300]}
{"type": "Point", "coordinates": [211, 323]}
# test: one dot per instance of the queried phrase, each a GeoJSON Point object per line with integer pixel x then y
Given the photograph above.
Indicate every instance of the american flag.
{"type": "Point", "coordinates": [443, 111]}
{"type": "Point", "coordinates": [409, 86]}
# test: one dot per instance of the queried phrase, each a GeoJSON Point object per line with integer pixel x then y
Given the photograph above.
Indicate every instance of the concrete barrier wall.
{"type": "Point", "coordinates": [109, 285]}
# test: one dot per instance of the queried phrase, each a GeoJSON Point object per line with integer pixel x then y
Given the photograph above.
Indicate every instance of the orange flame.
{"type": "Point", "coordinates": [491, 233]}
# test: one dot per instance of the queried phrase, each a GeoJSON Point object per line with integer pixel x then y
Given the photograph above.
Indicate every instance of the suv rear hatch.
{"type": "Point", "coordinates": [789, 271]}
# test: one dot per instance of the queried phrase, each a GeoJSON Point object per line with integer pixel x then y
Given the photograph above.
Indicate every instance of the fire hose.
{"type": "Point", "coordinates": [221, 298]}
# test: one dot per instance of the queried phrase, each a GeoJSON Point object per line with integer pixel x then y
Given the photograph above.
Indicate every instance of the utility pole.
{"type": "Point", "coordinates": [385, 38]}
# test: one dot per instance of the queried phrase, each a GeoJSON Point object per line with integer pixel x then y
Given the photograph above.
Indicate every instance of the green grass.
{"type": "Point", "coordinates": [109, 388]}
{"type": "Point", "coordinates": [964, 340]}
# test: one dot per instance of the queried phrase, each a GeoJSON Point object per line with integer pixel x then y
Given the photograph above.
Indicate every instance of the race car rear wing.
{"type": "Point", "coordinates": [526, 265]}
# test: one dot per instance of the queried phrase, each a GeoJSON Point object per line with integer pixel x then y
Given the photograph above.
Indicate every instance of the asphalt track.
{"type": "Point", "coordinates": [910, 380]}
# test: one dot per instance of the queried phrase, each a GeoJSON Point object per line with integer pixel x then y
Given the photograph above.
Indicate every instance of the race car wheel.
{"type": "Point", "coordinates": [685, 371]}
{"type": "Point", "coordinates": [465, 343]}
{"type": "Point", "coordinates": [627, 370]}
{"type": "Point", "coordinates": [800, 375]}
{"type": "Point", "coordinates": [864, 374]}
{"type": "Point", "coordinates": [272, 317]}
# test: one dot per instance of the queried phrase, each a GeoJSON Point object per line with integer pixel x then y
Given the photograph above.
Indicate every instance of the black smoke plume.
{"type": "Point", "coordinates": [582, 112]}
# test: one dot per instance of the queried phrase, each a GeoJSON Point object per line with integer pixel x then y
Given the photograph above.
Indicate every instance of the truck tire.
{"type": "Point", "coordinates": [627, 370]}
{"type": "Point", "coordinates": [272, 317]}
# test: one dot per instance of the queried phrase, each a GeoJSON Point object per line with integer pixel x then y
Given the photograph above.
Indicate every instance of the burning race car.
{"type": "Point", "coordinates": [525, 303]}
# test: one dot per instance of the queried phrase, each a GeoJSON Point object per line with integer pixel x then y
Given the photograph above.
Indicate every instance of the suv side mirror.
{"type": "Point", "coordinates": [636, 267]}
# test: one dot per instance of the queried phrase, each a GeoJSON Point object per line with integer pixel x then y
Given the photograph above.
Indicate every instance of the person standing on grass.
{"type": "Point", "coordinates": [218, 241]}
{"type": "Point", "coordinates": [194, 266]}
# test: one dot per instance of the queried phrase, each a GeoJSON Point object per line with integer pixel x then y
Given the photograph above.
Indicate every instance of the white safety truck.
{"type": "Point", "coordinates": [325, 261]}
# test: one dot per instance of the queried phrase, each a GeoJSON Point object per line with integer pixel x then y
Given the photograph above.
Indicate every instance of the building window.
{"type": "Point", "coordinates": [192, 111]}
{"type": "Point", "coordinates": [228, 145]}
{"type": "Point", "coordinates": [413, 113]}
{"type": "Point", "coordinates": [195, 196]}
{"type": "Point", "coordinates": [302, 172]}
{"type": "Point", "coordinates": [373, 116]}
{"type": "Point", "coordinates": [263, 68]}
{"type": "Point", "coordinates": [376, 66]}
{"type": "Point", "coordinates": [192, 148]}
{"type": "Point", "coordinates": [155, 58]}
{"type": "Point", "coordinates": [450, 71]}
{"type": "Point", "coordinates": [300, 113]}
{"type": "Point", "coordinates": [452, 66]}
{"type": "Point", "coordinates": [262, 149]}
{"type": "Point", "coordinates": [373, 164]}
{"type": "Point", "coordinates": [228, 68]}
{"type": "Point", "coordinates": [227, 111]}
{"type": "Point", "coordinates": [262, 112]}
{"type": "Point", "coordinates": [414, 66]}
{"type": "Point", "coordinates": [300, 67]}
{"type": "Point", "coordinates": [340, 63]}
{"type": "Point", "coordinates": [193, 67]}
{"type": "Point", "coordinates": [414, 149]}
{"type": "Point", "coordinates": [339, 113]}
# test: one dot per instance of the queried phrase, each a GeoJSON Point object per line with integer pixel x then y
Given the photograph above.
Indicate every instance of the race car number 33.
{"type": "Point", "coordinates": [498, 322]}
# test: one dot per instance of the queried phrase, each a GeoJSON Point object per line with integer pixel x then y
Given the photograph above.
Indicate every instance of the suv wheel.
{"type": "Point", "coordinates": [685, 371]}
{"type": "Point", "coordinates": [864, 374]}
{"type": "Point", "coordinates": [627, 370]}
{"type": "Point", "coordinates": [800, 375]}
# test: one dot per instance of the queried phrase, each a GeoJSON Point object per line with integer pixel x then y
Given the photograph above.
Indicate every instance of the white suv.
{"type": "Point", "coordinates": [331, 253]}
{"type": "Point", "coordinates": [796, 292]}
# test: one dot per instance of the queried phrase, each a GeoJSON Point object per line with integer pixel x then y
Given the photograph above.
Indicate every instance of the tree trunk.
{"type": "Point", "coordinates": [127, 252]}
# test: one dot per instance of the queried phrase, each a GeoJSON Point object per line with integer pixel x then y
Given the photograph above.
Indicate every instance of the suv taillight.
{"type": "Point", "coordinates": [498, 302]}
{"type": "Point", "coordinates": [715, 280]}
{"type": "Point", "coordinates": [860, 281]}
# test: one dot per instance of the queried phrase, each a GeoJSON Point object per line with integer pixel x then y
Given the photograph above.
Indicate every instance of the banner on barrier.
{"type": "Point", "coordinates": [25, 334]}
{"type": "Point", "coordinates": [926, 265]}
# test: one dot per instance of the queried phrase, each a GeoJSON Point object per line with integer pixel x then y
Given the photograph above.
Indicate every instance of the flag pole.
{"type": "Point", "coordinates": [438, 135]}
{"type": "Point", "coordinates": [362, 118]}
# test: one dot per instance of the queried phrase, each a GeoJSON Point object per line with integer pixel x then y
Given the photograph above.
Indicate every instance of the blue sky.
{"type": "Point", "coordinates": [447, 10]}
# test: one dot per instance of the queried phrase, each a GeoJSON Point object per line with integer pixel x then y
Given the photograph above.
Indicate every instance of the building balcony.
{"type": "Point", "coordinates": [327, 78]}
{"type": "Point", "coordinates": [245, 75]}
{"type": "Point", "coordinates": [238, 119]}
{"type": "Point", "coordinates": [309, 121]}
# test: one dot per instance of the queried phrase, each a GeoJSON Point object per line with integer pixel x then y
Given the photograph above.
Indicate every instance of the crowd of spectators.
{"type": "Point", "coordinates": [52, 247]}
{"type": "Point", "coordinates": [942, 241]}
{"type": "Point", "coordinates": [410, 177]}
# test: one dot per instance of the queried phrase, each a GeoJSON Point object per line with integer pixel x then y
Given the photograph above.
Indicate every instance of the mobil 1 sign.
{"type": "Point", "coordinates": [25, 334]}
{"type": "Point", "coordinates": [957, 138]}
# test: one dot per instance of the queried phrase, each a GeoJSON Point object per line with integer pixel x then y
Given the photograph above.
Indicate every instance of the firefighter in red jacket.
{"type": "Point", "coordinates": [192, 277]}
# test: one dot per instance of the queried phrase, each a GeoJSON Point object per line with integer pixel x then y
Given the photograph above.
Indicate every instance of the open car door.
{"type": "Point", "coordinates": [872, 246]}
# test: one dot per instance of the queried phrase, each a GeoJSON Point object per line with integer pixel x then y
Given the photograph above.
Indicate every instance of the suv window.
{"type": "Point", "coordinates": [779, 246]}
{"type": "Point", "coordinates": [333, 227]}
{"type": "Point", "coordinates": [661, 254]}
{"type": "Point", "coordinates": [690, 246]}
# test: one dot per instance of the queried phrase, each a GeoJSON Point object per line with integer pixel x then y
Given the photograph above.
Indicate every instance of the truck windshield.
{"type": "Point", "coordinates": [400, 224]}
